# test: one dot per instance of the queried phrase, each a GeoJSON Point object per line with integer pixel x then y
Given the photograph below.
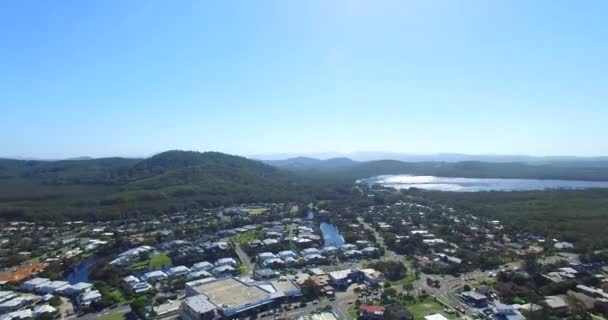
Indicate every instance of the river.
{"type": "Point", "coordinates": [478, 184]}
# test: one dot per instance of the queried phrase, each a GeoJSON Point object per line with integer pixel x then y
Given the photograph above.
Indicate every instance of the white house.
{"type": "Point", "coordinates": [31, 284]}
{"type": "Point", "coordinates": [178, 271]}
{"type": "Point", "coordinates": [154, 275]}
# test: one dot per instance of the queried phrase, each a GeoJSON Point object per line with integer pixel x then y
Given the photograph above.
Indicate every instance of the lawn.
{"type": "Point", "coordinates": [139, 265]}
{"type": "Point", "coordinates": [409, 278]}
{"type": "Point", "coordinates": [113, 316]}
{"type": "Point", "coordinates": [160, 260]}
{"type": "Point", "coordinates": [424, 308]}
{"type": "Point", "coordinates": [246, 237]}
{"type": "Point", "coordinates": [352, 312]}
{"type": "Point", "coordinates": [117, 296]}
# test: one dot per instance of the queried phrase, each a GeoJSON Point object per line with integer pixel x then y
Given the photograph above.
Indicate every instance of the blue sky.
{"type": "Point", "coordinates": [131, 78]}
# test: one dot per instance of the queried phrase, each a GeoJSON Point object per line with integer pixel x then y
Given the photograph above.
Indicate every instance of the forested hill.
{"type": "Point", "coordinates": [467, 169]}
{"type": "Point", "coordinates": [175, 180]}
{"type": "Point", "coordinates": [172, 180]}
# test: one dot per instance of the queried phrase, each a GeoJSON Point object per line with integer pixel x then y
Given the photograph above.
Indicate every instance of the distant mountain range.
{"type": "Point", "coordinates": [441, 157]}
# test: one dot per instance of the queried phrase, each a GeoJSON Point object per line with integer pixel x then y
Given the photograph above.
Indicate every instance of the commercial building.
{"type": "Point", "coordinates": [232, 296]}
{"type": "Point", "coordinates": [197, 308]}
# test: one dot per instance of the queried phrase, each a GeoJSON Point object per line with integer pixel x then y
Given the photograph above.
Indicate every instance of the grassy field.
{"type": "Point", "coordinates": [113, 316]}
{"type": "Point", "coordinates": [116, 294]}
{"type": "Point", "coordinates": [424, 308]}
{"type": "Point", "coordinates": [140, 265]}
{"type": "Point", "coordinates": [160, 260]}
{"type": "Point", "coordinates": [246, 237]}
{"type": "Point", "coordinates": [409, 278]}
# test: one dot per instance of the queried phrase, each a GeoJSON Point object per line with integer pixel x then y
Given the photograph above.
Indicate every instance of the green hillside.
{"type": "Point", "coordinates": [113, 187]}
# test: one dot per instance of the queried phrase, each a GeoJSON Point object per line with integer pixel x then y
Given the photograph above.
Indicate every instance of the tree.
{"type": "Point", "coordinates": [531, 265]}
{"type": "Point", "coordinates": [55, 301]}
{"type": "Point", "coordinates": [310, 291]}
{"type": "Point", "coordinates": [138, 306]}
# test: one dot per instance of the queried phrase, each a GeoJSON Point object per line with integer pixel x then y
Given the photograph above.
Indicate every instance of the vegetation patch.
{"type": "Point", "coordinates": [113, 316]}
{"type": "Point", "coordinates": [160, 260]}
{"type": "Point", "coordinates": [426, 307]}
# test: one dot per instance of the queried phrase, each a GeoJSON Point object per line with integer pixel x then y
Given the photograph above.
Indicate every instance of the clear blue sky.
{"type": "Point", "coordinates": [131, 78]}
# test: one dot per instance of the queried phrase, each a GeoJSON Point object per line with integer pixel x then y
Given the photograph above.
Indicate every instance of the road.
{"type": "Point", "coordinates": [244, 258]}
{"type": "Point", "coordinates": [122, 309]}
{"type": "Point", "coordinates": [380, 241]}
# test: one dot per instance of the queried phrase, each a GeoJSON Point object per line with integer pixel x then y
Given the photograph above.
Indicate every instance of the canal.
{"type": "Point", "coordinates": [331, 235]}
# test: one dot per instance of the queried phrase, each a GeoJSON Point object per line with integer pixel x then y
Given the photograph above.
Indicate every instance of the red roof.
{"type": "Point", "coordinates": [372, 309]}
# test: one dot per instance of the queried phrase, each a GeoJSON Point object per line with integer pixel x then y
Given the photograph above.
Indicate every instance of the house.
{"type": "Point", "coordinates": [289, 261]}
{"type": "Point", "coordinates": [89, 297]}
{"type": "Point", "coordinates": [274, 262]}
{"type": "Point", "coordinates": [372, 312]}
{"type": "Point", "coordinates": [330, 251]}
{"type": "Point", "coordinates": [507, 312]}
{"type": "Point", "coordinates": [255, 243]}
{"type": "Point", "coordinates": [556, 304]}
{"type": "Point", "coordinates": [266, 256]}
{"type": "Point", "coordinates": [352, 254]}
{"type": "Point", "coordinates": [78, 288]}
{"type": "Point", "coordinates": [131, 280]}
{"type": "Point", "coordinates": [204, 265]}
{"type": "Point", "coordinates": [44, 309]}
{"type": "Point", "coordinates": [141, 287]}
{"type": "Point", "coordinates": [225, 262]}
{"type": "Point", "coordinates": [563, 245]}
{"type": "Point", "coordinates": [314, 258]}
{"type": "Point", "coordinates": [261, 274]}
{"type": "Point", "coordinates": [31, 284]}
{"type": "Point", "coordinates": [14, 304]}
{"type": "Point", "coordinates": [18, 315]}
{"type": "Point", "coordinates": [287, 254]}
{"type": "Point", "coordinates": [6, 295]}
{"type": "Point", "coordinates": [53, 286]}
{"type": "Point", "coordinates": [223, 270]}
{"type": "Point", "coordinates": [310, 251]}
{"type": "Point", "coordinates": [270, 242]}
{"type": "Point", "coordinates": [156, 275]}
{"type": "Point", "coordinates": [347, 247]}
{"type": "Point", "coordinates": [198, 274]}
{"type": "Point", "coordinates": [179, 271]}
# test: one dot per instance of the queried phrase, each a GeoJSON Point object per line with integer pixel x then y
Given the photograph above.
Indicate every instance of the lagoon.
{"type": "Point", "coordinates": [478, 184]}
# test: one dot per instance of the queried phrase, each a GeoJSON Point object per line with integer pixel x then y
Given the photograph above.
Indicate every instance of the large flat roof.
{"type": "Point", "coordinates": [284, 285]}
{"type": "Point", "coordinates": [231, 293]}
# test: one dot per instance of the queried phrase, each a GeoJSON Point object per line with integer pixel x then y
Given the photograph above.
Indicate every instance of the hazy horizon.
{"type": "Point", "coordinates": [134, 78]}
{"type": "Point", "coordinates": [354, 155]}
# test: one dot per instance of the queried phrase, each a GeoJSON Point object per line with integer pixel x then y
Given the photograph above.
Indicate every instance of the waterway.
{"type": "Point", "coordinates": [331, 235]}
{"type": "Point", "coordinates": [81, 272]}
{"type": "Point", "coordinates": [479, 184]}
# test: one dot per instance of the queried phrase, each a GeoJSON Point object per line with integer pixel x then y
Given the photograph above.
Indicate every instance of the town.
{"type": "Point", "coordinates": [405, 260]}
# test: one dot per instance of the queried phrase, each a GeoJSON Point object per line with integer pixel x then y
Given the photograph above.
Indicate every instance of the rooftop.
{"type": "Point", "coordinates": [230, 293]}
{"type": "Point", "coordinates": [199, 304]}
